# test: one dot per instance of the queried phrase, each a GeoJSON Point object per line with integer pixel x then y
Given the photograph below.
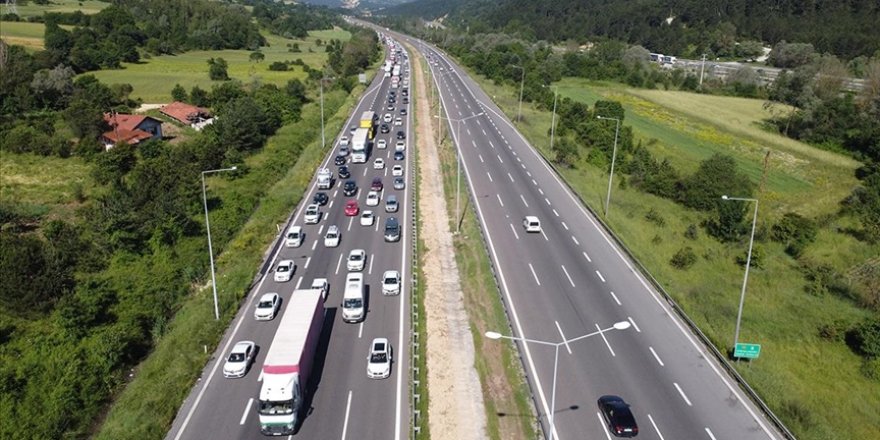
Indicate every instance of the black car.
{"type": "Point", "coordinates": [385, 128]}
{"type": "Point", "coordinates": [405, 92]}
{"type": "Point", "coordinates": [320, 199]}
{"type": "Point", "coordinates": [392, 229]}
{"type": "Point", "coordinates": [398, 155]}
{"type": "Point", "coordinates": [340, 160]}
{"type": "Point", "coordinates": [403, 110]}
{"type": "Point", "coordinates": [401, 135]}
{"type": "Point", "coordinates": [391, 100]}
{"type": "Point", "coordinates": [405, 100]}
{"type": "Point", "coordinates": [343, 172]}
{"type": "Point", "coordinates": [618, 416]}
{"type": "Point", "coordinates": [390, 107]}
{"type": "Point", "coordinates": [349, 188]}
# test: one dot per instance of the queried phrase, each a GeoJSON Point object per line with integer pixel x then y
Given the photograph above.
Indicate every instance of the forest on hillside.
{"type": "Point", "coordinates": [847, 29]}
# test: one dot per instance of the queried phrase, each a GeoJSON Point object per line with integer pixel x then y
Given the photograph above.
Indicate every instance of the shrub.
{"type": "Point", "coordinates": [684, 258]}
{"type": "Point", "coordinates": [757, 260]}
{"type": "Point", "coordinates": [692, 232]}
{"type": "Point", "coordinates": [795, 231]}
{"type": "Point", "coordinates": [864, 338]}
{"type": "Point", "coordinates": [278, 66]}
{"type": "Point", "coordinates": [654, 217]}
{"type": "Point", "coordinates": [823, 279]}
{"type": "Point", "coordinates": [871, 369]}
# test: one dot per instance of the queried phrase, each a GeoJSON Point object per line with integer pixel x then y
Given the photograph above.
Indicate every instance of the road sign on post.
{"type": "Point", "coordinates": [748, 351]}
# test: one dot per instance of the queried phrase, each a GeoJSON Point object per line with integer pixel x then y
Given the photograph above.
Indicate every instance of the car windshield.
{"type": "Point", "coordinates": [355, 257]}
{"type": "Point", "coordinates": [390, 280]}
{"type": "Point", "coordinates": [283, 268]}
{"type": "Point", "coordinates": [268, 407]}
{"type": "Point", "coordinates": [352, 303]}
{"type": "Point", "coordinates": [236, 357]}
{"type": "Point", "coordinates": [265, 304]}
{"type": "Point", "coordinates": [379, 358]}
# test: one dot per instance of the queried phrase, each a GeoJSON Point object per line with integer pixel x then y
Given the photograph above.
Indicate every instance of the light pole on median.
{"type": "Point", "coordinates": [522, 81]}
{"type": "Point", "coordinates": [613, 158]}
{"type": "Point", "coordinates": [742, 296]}
{"type": "Point", "coordinates": [210, 247]}
{"type": "Point", "coordinates": [622, 325]}
{"type": "Point", "coordinates": [458, 163]}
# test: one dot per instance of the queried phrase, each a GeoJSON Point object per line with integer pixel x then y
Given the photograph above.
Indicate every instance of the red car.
{"type": "Point", "coordinates": [377, 184]}
{"type": "Point", "coordinates": [352, 208]}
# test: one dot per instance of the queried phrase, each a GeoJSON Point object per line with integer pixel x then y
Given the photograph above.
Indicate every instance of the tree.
{"type": "Point", "coordinates": [85, 119]}
{"type": "Point", "coordinates": [178, 93]}
{"type": "Point", "coordinates": [791, 55]}
{"type": "Point", "coordinates": [199, 97]}
{"type": "Point", "coordinates": [218, 69]}
{"type": "Point", "coordinates": [636, 57]}
{"type": "Point", "coordinates": [716, 176]}
{"type": "Point", "coordinates": [53, 87]}
{"type": "Point", "coordinates": [241, 125]}
{"type": "Point", "coordinates": [113, 165]}
{"type": "Point", "coordinates": [256, 57]}
{"type": "Point", "coordinates": [566, 151]}
{"type": "Point", "coordinates": [749, 49]}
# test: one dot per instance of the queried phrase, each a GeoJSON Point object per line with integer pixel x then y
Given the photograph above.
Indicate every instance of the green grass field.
{"type": "Point", "coordinates": [31, 9]}
{"type": "Point", "coordinates": [154, 78]}
{"type": "Point", "coordinates": [798, 373]}
{"type": "Point", "coordinates": [29, 35]}
{"type": "Point", "coordinates": [43, 184]}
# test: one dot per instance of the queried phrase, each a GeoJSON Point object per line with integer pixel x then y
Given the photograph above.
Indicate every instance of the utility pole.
{"type": "Point", "coordinates": [702, 69]}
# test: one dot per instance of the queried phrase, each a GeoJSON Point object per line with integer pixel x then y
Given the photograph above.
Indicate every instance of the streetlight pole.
{"type": "Point", "coordinates": [522, 81]}
{"type": "Point", "coordinates": [613, 158]}
{"type": "Point", "coordinates": [553, 119]}
{"type": "Point", "coordinates": [622, 325]}
{"type": "Point", "coordinates": [210, 246]}
{"type": "Point", "coordinates": [458, 163]}
{"type": "Point", "coordinates": [742, 296]}
{"type": "Point", "coordinates": [323, 142]}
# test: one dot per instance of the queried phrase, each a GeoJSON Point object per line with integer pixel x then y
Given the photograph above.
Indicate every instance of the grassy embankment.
{"type": "Point", "coordinates": [509, 410]}
{"type": "Point", "coordinates": [153, 78]}
{"type": "Point", "coordinates": [798, 373]}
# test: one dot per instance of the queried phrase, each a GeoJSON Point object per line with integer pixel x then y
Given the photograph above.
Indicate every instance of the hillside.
{"type": "Point", "coordinates": [846, 29]}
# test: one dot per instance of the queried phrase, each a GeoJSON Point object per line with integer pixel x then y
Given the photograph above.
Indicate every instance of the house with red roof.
{"type": "Point", "coordinates": [187, 114]}
{"type": "Point", "coordinates": [131, 129]}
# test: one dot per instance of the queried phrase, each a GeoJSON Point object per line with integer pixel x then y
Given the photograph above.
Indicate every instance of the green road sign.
{"type": "Point", "coordinates": [749, 351]}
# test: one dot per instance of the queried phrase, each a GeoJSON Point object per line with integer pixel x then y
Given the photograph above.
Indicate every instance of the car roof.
{"type": "Point", "coordinates": [379, 341]}
{"type": "Point", "coordinates": [532, 218]}
{"type": "Point", "coordinates": [287, 262]}
{"type": "Point", "coordinates": [357, 251]}
{"type": "Point", "coordinates": [241, 345]}
{"type": "Point", "coordinates": [268, 296]}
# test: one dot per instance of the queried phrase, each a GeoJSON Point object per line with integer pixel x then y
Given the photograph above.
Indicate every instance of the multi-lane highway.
{"type": "Point", "coordinates": [571, 279]}
{"type": "Point", "coordinates": [343, 403]}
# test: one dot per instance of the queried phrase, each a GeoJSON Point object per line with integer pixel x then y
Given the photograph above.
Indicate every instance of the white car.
{"type": "Point", "coordinates": [379, 360]}
{"type": "Point", "coordinates": [284, 271]}
{"type": "Point", "coordinates": [367, 218]}
{"type": "Point", "coordinates": [343, 141]}
{"type": "Point", "coordinates": [294, 237]}
{"type": "Point", "coordinates": [397, 170]}
{"type": "Point", "coordinates": [381, 144]}
{"type": "Point", "coordinates": [313, 214]}
{"type": "Point", "coordinates": [331, 238]}
{"type": "Point", "coordinates": [373, 198]}
{"type": "Point", "coordinates": [356, 260]}
{"type": "Point", "coordinates": [387, 117]}
{"type": "Point", "coordinates": [391, 282]}
{"type": "Point", "coordinates": [379, 164]}
{"type": "Point", "coordinates": [267, 307]}
{"type": "Point", "coordinates": [532, 224]}
{"type": "Point", "coordinates": [391, 204]}
{"type": "Point", "coordinates": [400, 146]}
{"type": "Point", "coordinates": [322, 285]}
{"type": "Point", "coordinates": [398, 121]}
{"type": "Point", "coordinates": [240, 359]}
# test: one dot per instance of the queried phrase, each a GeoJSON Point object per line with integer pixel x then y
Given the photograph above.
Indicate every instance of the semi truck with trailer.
{"type": "Point", "coordinates": [289, 363]}
{"type": "Point", "coordinates": [360, 145]}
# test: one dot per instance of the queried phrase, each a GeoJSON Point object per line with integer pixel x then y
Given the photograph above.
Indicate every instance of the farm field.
{"type": "Point", "coordinates": [32, 9]}
{"type": "Point", "coordinates": [29, 35]}
{"type": "Point", "coordinates": [153, 78]}
{"type": "Point", "coordinates": [799, 372]}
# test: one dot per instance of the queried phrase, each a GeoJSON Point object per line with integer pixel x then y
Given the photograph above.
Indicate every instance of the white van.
{"type": "Point", "coordinates": [353, 309]}
{"type": "Point", "coordinates": [294, 236]}
{"type": "Point", "coordinates": [532, 224]}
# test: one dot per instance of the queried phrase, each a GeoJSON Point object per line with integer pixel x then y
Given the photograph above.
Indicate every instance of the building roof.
{"type": "Point", "coordinates": [185, 113]}
{"type": "Point", "coordinates": [128, 136]}
{"type": "Point", "coordinates": [126, 128]}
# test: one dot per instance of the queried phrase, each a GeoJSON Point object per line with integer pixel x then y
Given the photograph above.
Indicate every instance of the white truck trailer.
{"type": "Point", "coordinates": [289, 362]}
{"type": "Point", "coordinates": [360, 145]}
{"type": "Point", "coordinates": [325, 178]}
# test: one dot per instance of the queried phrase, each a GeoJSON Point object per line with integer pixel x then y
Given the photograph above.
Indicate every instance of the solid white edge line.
{"type": "Point", "coordinates": [655, 356]}
{"type": "Point", "coordinates": [655, 427]}
{"type": "Point", "coordinates": [247, 410]}
{"type": "Point", "coordinates": [683, 396]}
{"type": "Point", "coordinates": [601, 333]}
{"type": "Point", "coordinates": [347, 412]}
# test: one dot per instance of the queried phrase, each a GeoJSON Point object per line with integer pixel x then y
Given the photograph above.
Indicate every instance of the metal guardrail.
{"type": "Point", "coordinates": [415, 300]}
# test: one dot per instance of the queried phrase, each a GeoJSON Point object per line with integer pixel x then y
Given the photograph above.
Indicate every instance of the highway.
{"type": "Point", "coordinates": [344, 403]}
{"type": "Point", "coordinates": [571, 280]}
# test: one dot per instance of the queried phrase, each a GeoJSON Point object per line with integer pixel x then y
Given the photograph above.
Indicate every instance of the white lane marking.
{"type": "Point", "coordinates": [683, 396]}
{"type": "Point", "coordinates": [347, 411]}
{"type": "Point", "coordinates": [565, 341]}
{"type": "Point", "coordinates": [350, 220]}
{"type": "Point", "coordinates": [484, 130]}
{"type": "Point", "coordinates": [602, 424]}
{"type": "Point", "coordinates": [338, 263]}
{"type": "Point", "coordinates": [330, 205]}
{"type": "Point", "coordinates": [541, 191]}
{"type": "Point", "coordinates": [711, 436]}
{"type": "Point", "coordinates": [365, 171]}
{"type": "Point", "coordinates": [656, 357]}
{"type": "Point", "coordinates": [518, 159]}
{"type": "Point", "coordinates": [376, 221]}
{"type": "Point", "coordinates": [511, 177]}
{"type": "Point", "coordinates": [337, 191]}
{"type": "Point", "coordinates": [548, 201]}
{"type": "Point", "coordinates": [514, 231]}
{"type": "Point", "coordinates": [615, 298]}
{"type": "Point", "coordinates": [545, 235]}
{"type": "Point", "coordinates": [298, 282]}
{"type": "Point", "coordinates": [534, 274]}
{"type": "Point", "coordinates": [481, 158]}
{"type": "Point", "coordinates": [655, 427]}
{"type": "Point", "coordinates": [361, 330]}
{"type": "Point", "coordinates": [491, 144]}
{"type": "Point", "coordinates": [565, 226]}
{"type": "Point", "coordinates": [247, 410]}
{"type": "Point", "coordinates": [490, 177]}
{"type": "Point", "coordinates": [308, 260]}
{"type": "Point", "coordinates": [534, 183]}
{"type": "Point", "coordinates": [499, 158]}
{"type": "Point", "coordinates": [370, 270]}
{"type": "Point", "coordinates": [600, 276]}
{"type": "Point", "coordinates": [587, 257]}
{"type": "Point", "coordinates": [606, 340]}
{"type": "Point", "coordinates": [474, 143]}
{"type": "Point", "coordinates": [524, 200]}
{"type": "Point", "coordinates": [468, 131]}
{"type": "Point", "coordinates": [633, 322]}
{"type": "Point", "coordinates": [568, 276]}
{"type": "Point", "coordinates": [523, 165]}
{"type": "Point", "coordinates": [529, 173]}
{"type": "Point", "coordinates": [315, 244]}
{"type": "Point", "coordinates": [554, 212]}
{"type": "Point", "coordinates": [499, 200]}
{"type": "Point", "coordinates": [575, 240]}
{"type": "Point", "coordinates": [321, 230]}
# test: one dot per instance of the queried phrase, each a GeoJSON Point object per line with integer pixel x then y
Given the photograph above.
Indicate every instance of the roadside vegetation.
{"type": "Point", "coordinates": [102, 253]}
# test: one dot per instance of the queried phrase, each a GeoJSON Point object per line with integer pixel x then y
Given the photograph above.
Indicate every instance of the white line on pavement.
{"type": "Point", "coordinates": [554, 212]}
{"type": "Point", "coordinates": [499, 200]}
{"type": "Point", "coordinates": [298, 282]}
{"type": "Point", "coordinates": [565, 341]}
{"type": "Point", "coordinates": [587, 257]}
{"type": "Point", "coordinates": [481, 158]}
{"type": "Point", "coordinates": [308, 260]}
{"type": "Point", "coordinates": [514, 231]}
{"type": "Point", "coordinates": [545, 235]}
{"type": "Point", "coordinates": [524, 200]}
{"type": "Point", "coordinates": [338, 263]}
{"type": "Point", "coordinates": [247, 410]}
{"type": "Point", "coordinates": [565, 226]}
{"type": "Point", "coordinates": [320, 229]}
{"type": "Point", "coordinates": [534, 183]}
{"type": "Point", "coordinates": [490, 176]}
{"type": "Point", "coordinates": [534, 274]}
{"type": "Point", "coordinates": [575, 240]}
{"type": "Point", "coordinates": [541, 191]}
{"type": "Point", "coordinates": [370, 270]}
{"type": "Point", "coordinates": [347, 411]}
{"type": "Point", "coordinates": [633, 322]}
{"type": "Point", "coordinates": [615, 298]}
{"type": "Point", "coordinates": [655, 427]}
{"type": "Point", "coordinates": [711, 436]}
{"type": "Point", "coordinates": [568, 276]}
{"type": "Point", "coordinates": [606, 340]}
{"type": "Point", "coordinates": [683, 396]}
{"type": "Point", "coordinates": [511, 177]}
{"type": "Point", "coordinates": [499, 158]}
{"type": "Point", "coordinates": [315, 244]}
{"type": "Point", "coordinates": [602, 424]}
{"type": "Point", "coordinates": [361, 330]}
{"type": "Point", "coordinates": [600, 276]}
{"type": "Point", "coordinates": [656, 357]}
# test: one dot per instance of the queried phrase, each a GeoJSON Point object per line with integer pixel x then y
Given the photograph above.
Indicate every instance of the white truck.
{"type": "Point", "coordinates": [289, 362]}
{"type": "Point", "coordinates": [360, 146]}
{"type": "Point", "coordinates": [325, 178]}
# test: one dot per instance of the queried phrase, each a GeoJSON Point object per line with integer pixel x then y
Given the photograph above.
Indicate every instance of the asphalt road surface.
{"type": "Point", "coordinates": [345, 404]}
